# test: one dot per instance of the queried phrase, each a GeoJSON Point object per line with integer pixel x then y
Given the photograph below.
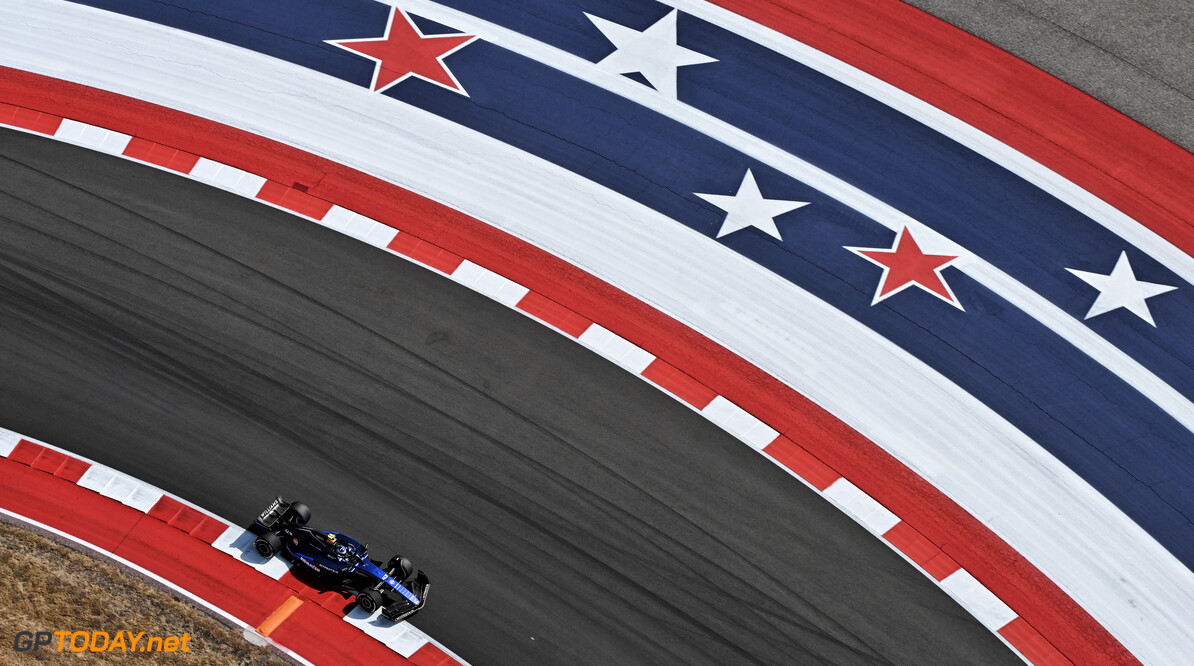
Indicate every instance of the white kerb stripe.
{"type": "Point", "coordinates": [90, 136]}
{"type": "Point", "coordinates": [227, 177]}
{"type": "Point", "coordinates": [96, 477]}
{"type": "Point", "coordinates": [119, 487]}
{"type": "Point", "coordinates": [238, 542]}
{"type": "Point", "coordinates": [976, 598]}
{"type": "Point", "coordinates": [338, 218]}
{"type": "Point", "coordinates": [8, 442]}
{"type": "Point", "coordinates": [375, 626]}
{"type": "Point", "coordinates": [380, 235]}
{"type": "Point", "coordinates": [616, 348]}
{"type": "Point", "coordinates": [739, 423]}
{"type": "Point", "coordinates": [408, 641]}
{"type": "Point", "coordinates": [862, 506]}
{"type": "Point", "coordinates": [143, 497]}
{"type": "Point", "coordinates": [359, 227]}
{"type": "Point", "coordinates": [485, 281]}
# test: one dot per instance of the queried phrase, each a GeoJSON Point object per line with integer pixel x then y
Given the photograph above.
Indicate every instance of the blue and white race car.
{"type": "Point", "coordinates": [341, 561]}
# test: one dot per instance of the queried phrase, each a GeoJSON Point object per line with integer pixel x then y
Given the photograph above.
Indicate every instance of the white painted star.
{"type": "Point", "coordinates": [653, 52]}
{"type": "Point", "coordinates": [1121, 289]}
{"type": "Point", "coordinates": [748, 208]}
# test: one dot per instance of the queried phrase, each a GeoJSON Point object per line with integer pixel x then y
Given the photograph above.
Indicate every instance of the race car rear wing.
{"type": "Point", "coordinates": [270, 516]}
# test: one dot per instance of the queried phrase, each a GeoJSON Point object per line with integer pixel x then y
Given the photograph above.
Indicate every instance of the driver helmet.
{"type": "Point", "coordinates": [330, 538]}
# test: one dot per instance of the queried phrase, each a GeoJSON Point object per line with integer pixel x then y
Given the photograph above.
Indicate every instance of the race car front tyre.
{"type": "Point", "coordinates": [369, 600]}
{"type": "Point", "coordinates": [267, 544]}
{"type": "Point", "coordinates": [298, 513]}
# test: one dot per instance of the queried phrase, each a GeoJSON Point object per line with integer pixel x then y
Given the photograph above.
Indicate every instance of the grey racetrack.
{"type": "Point", "coordinates": [567, 512]}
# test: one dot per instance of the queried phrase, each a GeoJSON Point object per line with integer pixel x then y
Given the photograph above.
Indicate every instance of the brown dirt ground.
{"type": "Point", "coordinates": [47, 586]}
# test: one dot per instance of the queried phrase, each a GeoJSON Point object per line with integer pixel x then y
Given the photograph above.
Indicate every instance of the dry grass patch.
{"type": "Point", "coordinates": [45, 586]}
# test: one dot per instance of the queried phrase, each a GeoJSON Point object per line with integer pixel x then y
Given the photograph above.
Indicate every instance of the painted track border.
{"type": "Point", "coordinates": [914, 518]}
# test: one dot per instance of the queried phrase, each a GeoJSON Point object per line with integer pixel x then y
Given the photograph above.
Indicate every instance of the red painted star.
{"type": "Point", "coordinates": [906, 265]}
{"type": "Point", "coordinates": [405, 51]}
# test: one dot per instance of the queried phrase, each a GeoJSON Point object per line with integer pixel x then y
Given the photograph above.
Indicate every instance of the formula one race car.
{"type": "Point", "coordinates": [341, 561]}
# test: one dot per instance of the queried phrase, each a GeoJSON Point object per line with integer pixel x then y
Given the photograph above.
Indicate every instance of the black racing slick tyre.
{"type": "Point", "coordinates": [369, 600]}
{"type": "Point", "coordinates": [400, 568]}
{"type": "Point", "coordinates": [298, 513]}
{"type": "Point", "coordinates": [267, 544]}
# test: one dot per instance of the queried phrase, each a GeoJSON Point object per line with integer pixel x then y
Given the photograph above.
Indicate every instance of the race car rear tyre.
{"type": "Point", "coordinates": [267, 544]}
{"type": "Point", "coordinates": [369, 600]}
{"type": "Point", "coordinates": [298, 513]}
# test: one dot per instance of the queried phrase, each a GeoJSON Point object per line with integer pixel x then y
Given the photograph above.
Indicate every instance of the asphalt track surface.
{"type": "Point", "coordinates": [566, 511]}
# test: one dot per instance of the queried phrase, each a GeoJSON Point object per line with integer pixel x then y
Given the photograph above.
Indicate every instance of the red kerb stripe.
{"type": "Point", "coordinates": [164, 509]}
{"type": "Point", "coordinates": [186, 519]}
{"type": "Point", "coordinates": [801, 462]}
{"type": "Point", "coordinates": [72, 469]}
{"type": "Point", "coordinates": [163, 156]}
{"type": "Point", "coordinates": [209, 530]}
{"type": "Point", "coordinates": [26, 452]}
{"type": "Point", "coordinates": [1032, 645]}
{"type": "Point", "coordinates": [679, 384]}
{"type": "Point", "coordinates": [922, 551]}
{"type": "Point", "coordinates": [547, 310]}
{"type": "Point", "coordinates": [28, 119]}
{"type": "Point", "coordinates": [425, 253]}
{"type": "Point", "coordinates": [49, 460]}
{"type": "Point", "coordinates": [294, 199]}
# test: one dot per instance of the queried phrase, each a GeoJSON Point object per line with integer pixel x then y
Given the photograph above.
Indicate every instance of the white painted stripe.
{"type": "Point", "coordinates": [739, 423]}
{"type": "Point", "coordinates": [338, 218]}
{"type": "Point", "coordinates": [974, 139]}
{"type": "Point", "coordinates": [90, 136]}
{"type": "Point", "coordinates": [119, 487]}
{"type": "Point", "coordinates": [507, 292]}
{"type": "Point", "coordinates": [238, 542]}
{"type": "Point", "coordinates": [96, 477]}
{"type": "Point", "coordinates": [227, 177]}
{"type": "Point", "coordinates": [1107, 563]}
{"type": "Point", "coordinates": [977, 599]}
{"type": "Point", "coordinates": [377, 626]}
{"type": "Point", "coordinates": [380, 235]}
{"type": "Point", "coordinates": [1019, 295]}
{"type": "Point", "coordinates": [616, 348]}
{"type": "Point", "coordinates": [408, 641]}
{"type": "Point", "coordinates": [360, 226]}
{"type": "Point", "coordinates": [876, 517]}
{"type": "Point", "coordinates": [8, 442]}
{"type": "Point", "coordinates": [143, 497]}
